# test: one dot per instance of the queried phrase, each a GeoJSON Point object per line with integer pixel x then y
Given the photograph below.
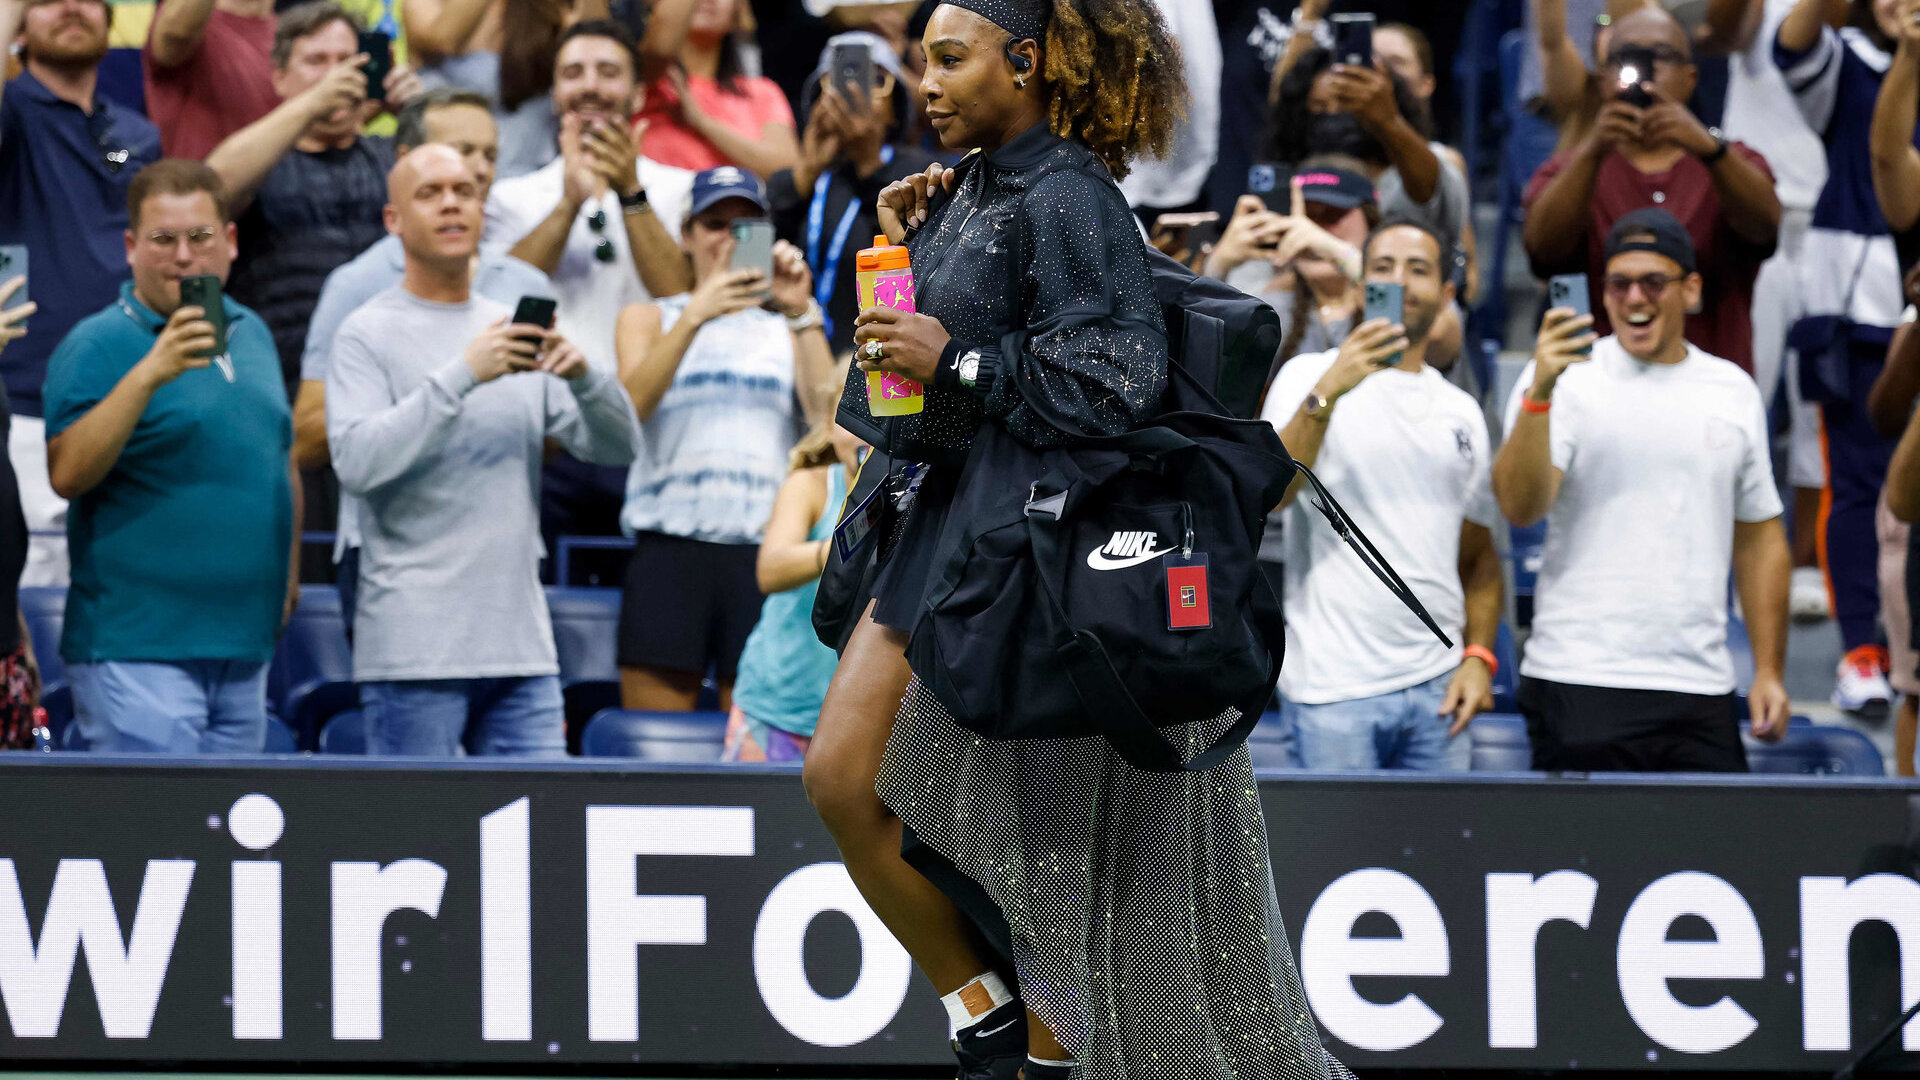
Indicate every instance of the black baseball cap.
{"type": "Point", "coordinates": [1652, 229]}
{"type": "Point", "coordinates": [1334, 186]}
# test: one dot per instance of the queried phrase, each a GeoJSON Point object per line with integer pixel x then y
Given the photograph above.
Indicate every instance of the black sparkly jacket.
{"type": "Point", "coordinates": [1036, 262]}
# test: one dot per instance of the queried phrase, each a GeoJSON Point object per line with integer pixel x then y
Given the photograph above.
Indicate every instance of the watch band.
{"type": "Point", "coordinates": [1318, 406]}
{"type": "Point", "coordinates": [635, 203]}
{"type": "Point", "coordinates": [1719, 150]}
{"type": "Point", "coordinates": [812, 318]}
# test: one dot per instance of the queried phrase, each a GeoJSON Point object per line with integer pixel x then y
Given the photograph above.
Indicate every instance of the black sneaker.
{"type": "Point", "coordinates": [996, 1047]}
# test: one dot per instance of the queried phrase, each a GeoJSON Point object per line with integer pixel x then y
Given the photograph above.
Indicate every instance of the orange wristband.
{"type": "Point", "coordinates": [1527, 404]}
{"type": "Point", "coordinates": [1485, 655]}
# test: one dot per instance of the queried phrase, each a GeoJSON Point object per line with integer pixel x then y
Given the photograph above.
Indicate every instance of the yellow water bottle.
{"type": "Point", "coordinates": [885, 279]}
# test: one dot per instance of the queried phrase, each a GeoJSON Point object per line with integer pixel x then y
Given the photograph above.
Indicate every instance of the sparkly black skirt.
{"type": "Point", "coordinates": [1139, 907]}
{"type": "Point", "coordinates": [907, 552]}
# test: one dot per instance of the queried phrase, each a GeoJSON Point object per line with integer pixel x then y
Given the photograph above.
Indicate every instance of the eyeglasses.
{"type": "Point", "coordinates": [603, 249]}
{"type": "Point", "coordinates": [199, 238]}
{"type": "Point", "coordinates": [1651, 285]}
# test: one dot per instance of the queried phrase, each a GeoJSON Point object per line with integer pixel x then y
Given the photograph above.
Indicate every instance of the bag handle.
{"type": "Point", "coordinates": [1129, 730]}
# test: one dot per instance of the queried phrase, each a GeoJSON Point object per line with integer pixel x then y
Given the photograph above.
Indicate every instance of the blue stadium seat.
{"type": "Point", "coordinates": [1270, 744]}
{"type": "Point", "coordinates": [70, 738]}
{"type": "Point", "coordinates": [655, 736]}
{"type": "Point", "coordinates": [1506, 681]}
{"type": "Point", "coordinates": [280, 738]}
{"type": "Point", "coordinates": [1529, 142]}
{"type": "Point", "coordinates": [1500, 743]}
{"type": "Point", "coordinates": [1525, 544]}
{"type": "Point", "coordinates": [1817, 750]}
{"type": "Point", "coordinates": [311, 677]}
{"type": "Point", "coordinates": [1741, 649]}
{"type": "Point", "coordinates": [45, 607]}
{"type": "Point", "coordinates": [586, 625]}
{"type": "Point", "coordinates": [345, 733]}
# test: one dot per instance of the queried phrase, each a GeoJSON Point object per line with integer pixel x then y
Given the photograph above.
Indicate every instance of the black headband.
{"type": "Point", "coordinates": [1024, 19]}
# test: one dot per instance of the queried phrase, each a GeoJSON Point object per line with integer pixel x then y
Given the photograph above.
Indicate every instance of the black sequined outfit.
{"type": "Point", "coordinates": [1137, 909]}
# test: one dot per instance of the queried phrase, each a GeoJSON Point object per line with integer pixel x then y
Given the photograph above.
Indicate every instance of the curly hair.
{"type": "Point", "coordinates": [1289, 119]}
{"type": "Point", "coordinates": [1113, 79]}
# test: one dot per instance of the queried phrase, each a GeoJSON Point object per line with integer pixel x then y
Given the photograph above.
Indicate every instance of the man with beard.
{"type": "Point", "coordinates": [601, 221]}
{"type": "Point", "coordinates": [1657, 153]}
{"type": "Point", "coordinates": [66, 158]}
{"type": "Point", "coordinates": [1365, 685]}
{"type": "Point", "coordinates": [1649, 459]}
{"type": "Point", "coordinates": [310, 184]}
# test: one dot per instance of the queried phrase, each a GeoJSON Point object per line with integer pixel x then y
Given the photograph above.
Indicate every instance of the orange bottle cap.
{"type": "Point", "coordinates": [883, 255]}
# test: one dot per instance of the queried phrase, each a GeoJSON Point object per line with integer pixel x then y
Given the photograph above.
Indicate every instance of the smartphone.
{"type": "Point", "coordinates": [1274, 184]}
{"type": "Point", "coordinates": [1385, 300]}
{"type": "Point", "coordinates": [13, 263]}
{"type": "Point", "coordinates": [852, 70]}
{"type": "Point", "coordinates": [379, 49]}
{"type": "Point", "coordinates": [1636, 70]}
{"type": "Point", "coordinates": [203, 291]}
{"type": "Point", "coordinates": [753, 248]}
{"type": "Point", "coordinates": [1352, 38]}
{"type": "Point", "coordinates": [1570, 291]}
{"type": "Point", "coordinates": [535, 311]}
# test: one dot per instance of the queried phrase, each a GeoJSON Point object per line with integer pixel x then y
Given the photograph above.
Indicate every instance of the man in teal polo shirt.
{"type": "Point", "coordinates": [178, 468]}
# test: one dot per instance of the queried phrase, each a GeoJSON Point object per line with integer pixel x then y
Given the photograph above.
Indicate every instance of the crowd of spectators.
{"type": "Point", "coordinates": [385, 192]}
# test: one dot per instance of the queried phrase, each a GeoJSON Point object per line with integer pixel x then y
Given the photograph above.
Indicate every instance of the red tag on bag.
{"type": "Point", "coordinates": [1187, 605]}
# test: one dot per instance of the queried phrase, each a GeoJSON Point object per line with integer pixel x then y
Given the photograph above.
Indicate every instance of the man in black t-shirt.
{"type": "Point", "coordinates": [307, 187]}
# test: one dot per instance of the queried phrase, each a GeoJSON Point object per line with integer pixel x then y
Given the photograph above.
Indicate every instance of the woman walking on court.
{"type": "Point", "coordinates": [1089, 919]}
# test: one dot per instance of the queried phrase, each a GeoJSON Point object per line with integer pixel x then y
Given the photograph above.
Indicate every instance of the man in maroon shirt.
{"type": "Point", "coordinates": [1659, 154]}
{"type": "Point", "coordinates": [209, 71]}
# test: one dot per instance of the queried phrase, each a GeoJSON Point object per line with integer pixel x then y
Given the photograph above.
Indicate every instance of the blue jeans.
{"type": "Point", "coordinates": [1400, 730]}
{"type": "Point", "coordinates": [184, 707]}
{"type": "Point", "coordinates": [520, 717]}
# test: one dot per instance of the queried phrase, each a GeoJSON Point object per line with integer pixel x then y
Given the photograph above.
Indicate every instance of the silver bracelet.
{"type": "Point", "coordinates": [807, 319]}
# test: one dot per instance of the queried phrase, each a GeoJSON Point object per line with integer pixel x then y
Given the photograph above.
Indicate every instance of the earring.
{"type": "Point", "coordinates": [1020, 81]}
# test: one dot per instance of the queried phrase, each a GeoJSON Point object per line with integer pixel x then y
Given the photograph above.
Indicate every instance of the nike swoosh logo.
{"type": "Point", "coordinates": [1099, 560]}
{"type": "Point", "coordinates": [998, 1030]}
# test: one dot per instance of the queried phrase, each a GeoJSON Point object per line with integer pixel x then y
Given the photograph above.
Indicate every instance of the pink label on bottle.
{"type": "Point", "coordinates": [894, 290]}
{"type": "Point", "coordinates": [894, 387]}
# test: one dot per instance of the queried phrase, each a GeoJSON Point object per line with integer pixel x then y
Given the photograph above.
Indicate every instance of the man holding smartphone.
{"type": "Point", "coordinates": [176, 457]}
{"type": "Point", "coordinates": [1365, 685]}
{"type": "Point", "coordinates": [438, 412]}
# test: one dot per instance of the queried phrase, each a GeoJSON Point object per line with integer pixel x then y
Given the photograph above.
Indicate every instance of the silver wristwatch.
{"type": "Point", "coordinates": [968, 368]}
{"type": "Point", "coordinates": [1318, 407]}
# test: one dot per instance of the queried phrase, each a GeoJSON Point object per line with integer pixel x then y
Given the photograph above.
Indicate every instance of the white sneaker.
{"type": "Point", "coordinates": [1807, 600]}
{"type": "Point", "coordinates": [1861, 685]}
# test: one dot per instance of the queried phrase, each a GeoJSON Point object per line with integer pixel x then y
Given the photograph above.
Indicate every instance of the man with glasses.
{"type": "Point", "coordinates": [601, 221]}
{"type": "Point", "coordinates": [66, 157]}
{"type": "Point", "coordinates": [1649, 459]}
{"type": "Point", "coordinates": [1646, 149]}
{"type": "Point", "coordinates": [172, 439]}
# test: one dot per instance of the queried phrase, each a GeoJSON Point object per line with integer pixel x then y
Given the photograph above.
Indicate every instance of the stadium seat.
{"type": "Point", "coordinates": [1817, 750]}
{"type": "Point", "coordinates": [344, 733]}
{"type": "Point", "coordinates": [280, 738]}
{"type": "Point", "coordinates": [1741, 649]}
{"type": "Point", "coordinates": [45, 608]}
{"type": "Point", "coordinates": [586, 626]}
{"type": "Point", "coordinates": [1270, 744]}
{"type": "Point", "coordinates": [70, 738]}
{"type": "Point", "coordinates": [655, 736]}
{"type": "Point", "coordinates": [1506, 681]}
{"type": "Point", "coordinates": [1500, 743]}
{"type": "Point", "coordinates": [311, 677]}
{"type": "Point", "coordinates": [1529, 142]}
{"type": "Point", "coordinates": [1524, 547]}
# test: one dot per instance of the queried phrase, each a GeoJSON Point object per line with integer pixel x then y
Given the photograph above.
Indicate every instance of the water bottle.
{"type": "Point", "coordinates": [886, 280]}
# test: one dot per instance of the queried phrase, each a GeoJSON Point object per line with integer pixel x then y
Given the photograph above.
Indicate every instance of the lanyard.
{"type": "Point", "coordinates": [827, 272]}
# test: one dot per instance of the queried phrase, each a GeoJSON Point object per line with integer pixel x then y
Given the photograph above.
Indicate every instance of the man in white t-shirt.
{"type": "Point", "coordinates": [1366, 685]}
{"type": "Point", "coordinates": [1649, 460]}
{"type": "Point", "coordinates": [602, 222]}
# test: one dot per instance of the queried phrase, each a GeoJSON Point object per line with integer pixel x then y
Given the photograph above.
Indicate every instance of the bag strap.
{"type": "Point", "coordinates": [1344, 525]}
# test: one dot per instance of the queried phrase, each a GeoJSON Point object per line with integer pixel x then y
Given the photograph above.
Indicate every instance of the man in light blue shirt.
{"type": "Point", "coordinates": [447, 116]}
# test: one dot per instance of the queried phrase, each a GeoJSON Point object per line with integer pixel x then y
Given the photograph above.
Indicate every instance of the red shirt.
{"type": "Point", "coordinates": [225, 85]}
{"type": "Point", "coordinates": [1728, 264]}
{"type": "Point", "coordinates": [670, 141]}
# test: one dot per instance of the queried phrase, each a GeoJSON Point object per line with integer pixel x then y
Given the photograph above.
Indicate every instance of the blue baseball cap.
{"type": "Point", "coordinates": [723, 183]}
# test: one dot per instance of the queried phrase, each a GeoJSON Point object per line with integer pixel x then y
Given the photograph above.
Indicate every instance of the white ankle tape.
{"type": "Point", "coordinates": [979, 997]}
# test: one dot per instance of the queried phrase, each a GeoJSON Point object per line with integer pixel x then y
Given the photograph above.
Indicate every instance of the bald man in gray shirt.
{"type": "Point", "coordinates": [437, 412]}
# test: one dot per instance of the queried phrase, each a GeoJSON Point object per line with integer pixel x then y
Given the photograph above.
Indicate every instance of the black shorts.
{"type": "Point", "coordinates": [688, 605]}
{"type": "Point", "coordinates": [1605, 729]}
